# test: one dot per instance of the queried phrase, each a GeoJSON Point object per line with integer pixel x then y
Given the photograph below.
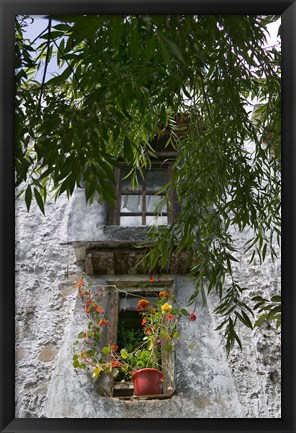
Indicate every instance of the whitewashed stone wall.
{"type": "Point", "coordinates": [209, 385]}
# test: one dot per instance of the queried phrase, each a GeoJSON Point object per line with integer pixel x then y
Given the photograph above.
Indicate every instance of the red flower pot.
{"type": "Point", "coordinates": [147, 381]}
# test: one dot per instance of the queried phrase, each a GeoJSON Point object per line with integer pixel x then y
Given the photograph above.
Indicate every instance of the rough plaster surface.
{"type": "Point", "coordinates": [257, 368]}
{"type": "Point", "coordinates": [47, 318]}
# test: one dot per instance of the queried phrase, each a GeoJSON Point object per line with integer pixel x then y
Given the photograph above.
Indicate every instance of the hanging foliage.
{"type": "Point", "coordinates": [119, 82]}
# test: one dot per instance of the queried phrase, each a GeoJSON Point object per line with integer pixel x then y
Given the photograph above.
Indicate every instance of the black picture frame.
{"type": "Point", "coordinates": [10, 8]}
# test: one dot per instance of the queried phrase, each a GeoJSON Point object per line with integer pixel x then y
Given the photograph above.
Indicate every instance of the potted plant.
{"type": "Point", "coordinates": [138, 356]}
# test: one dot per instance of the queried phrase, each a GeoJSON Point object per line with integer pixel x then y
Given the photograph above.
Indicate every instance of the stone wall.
{"type": "Point", "coordinates": [47, 317]}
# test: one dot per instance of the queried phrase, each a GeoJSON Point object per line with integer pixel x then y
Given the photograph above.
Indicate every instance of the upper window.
{"type": "Point", "coordinates": [142, 204]}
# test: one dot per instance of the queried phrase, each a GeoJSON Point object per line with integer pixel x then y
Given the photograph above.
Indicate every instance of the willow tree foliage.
{"type": "Point", "coordinates": [119, 82]}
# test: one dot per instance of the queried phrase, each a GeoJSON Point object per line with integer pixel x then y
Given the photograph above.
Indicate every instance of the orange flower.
{"type": "Point", "coordinates": [81, 293]}
{"type": "Point", "coordinates": [114, 363]}
{"type": "Point", "coordinates": [148, 331]}
{"type": "Point", "coordinates": [144, 321]}
{"type": "Point", "coordinates": [115, 347]}
{"type": "Point", "coordinates": [80, 283]}
{"type": "Point", "coordinates": [87, 309]}
{"type": "Point", "coordinates": [143, 303]}
{"type": "Point", "coordinates": [99, 309]}
{"type": "Point", "coordinates": [164, 294]}
{"type": "Point", "coordinates": [103, 322]}
{"type": "Point", "coordinates": [88, 302]}
{"type": "Point", "coordinates": [170, 317]}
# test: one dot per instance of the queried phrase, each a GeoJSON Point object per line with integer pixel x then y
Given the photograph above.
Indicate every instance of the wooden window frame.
{"type": "Point", "coordinates": [108, 386]}
{"type": "Point", "coordinates": [143, 191]}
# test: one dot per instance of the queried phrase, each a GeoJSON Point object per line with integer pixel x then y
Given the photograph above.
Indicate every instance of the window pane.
{"type": "Point", "coordinates": [131, 203]}
{"type": "Point", "coordinates": [126, 183]}
{"type": "Point", "coordinates": [130, 221]}
{"type": "Point", "coordinates": [156, 179]}
{"type": "Point", "coordinates": [154, 220]}
{"type": "Point", "coordinates": [155, 203]}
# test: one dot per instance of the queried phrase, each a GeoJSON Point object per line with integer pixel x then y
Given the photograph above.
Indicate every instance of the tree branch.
{"type": "Point", "coordinates": [45, 67]}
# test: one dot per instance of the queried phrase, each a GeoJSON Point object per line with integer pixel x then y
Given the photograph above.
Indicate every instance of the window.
{"type": "Point", "coordinates": [124, 329]}
{"type": "Point", "coordinates": [142, 204]}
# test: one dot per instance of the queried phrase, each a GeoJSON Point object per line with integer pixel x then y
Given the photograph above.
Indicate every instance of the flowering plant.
{"type": "Point", "coordinates": [142, 348]}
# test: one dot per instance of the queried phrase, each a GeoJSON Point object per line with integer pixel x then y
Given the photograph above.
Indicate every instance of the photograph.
{"type": "Point", "coordinates": [151, 180]}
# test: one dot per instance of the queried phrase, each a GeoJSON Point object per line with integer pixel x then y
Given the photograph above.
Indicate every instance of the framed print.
{"type": "Point", "coordinates": [147, 175]}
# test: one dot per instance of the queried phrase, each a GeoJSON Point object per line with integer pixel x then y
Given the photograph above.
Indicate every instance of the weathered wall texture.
{"type": "Point", "coordinates": [257, 368]}
{"type": "Point", "coordinates": [48, 317]}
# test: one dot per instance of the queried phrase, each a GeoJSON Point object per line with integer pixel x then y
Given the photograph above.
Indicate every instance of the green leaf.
{"type": "Point", "coordinates": [124, 354]}
{"type": "Point", "coordinates": [163, 116]}
{"type": "Point", "coordinates": [106, 350]}
{"type": "Point", "coordinates": [60, 78]}
{"type": "Point", "coordinates": [28, 197]}
{"type": "Point", "coordinates": [39, 200]}
{"type": "Point", "coordinates": [220, 326]}
{"type": "Point", "coordinates": [261, 319]}
{"type": "Point", "coordinates": [184, 312]}
{"type": "Point", "coordinates": [175, 50]}
{"type": "Point", "coordinates": [134, 45]}
{"type": "Point", "coordinates": [164, 53]}
{"type": "Point", "coordinates": [244, 319]}
{"type": "Point", "coordinates": [149, 50]}
{"type": "Point", "coordinates": [258, 298]}
{"type": "Point", "coordinates": [264, 252]}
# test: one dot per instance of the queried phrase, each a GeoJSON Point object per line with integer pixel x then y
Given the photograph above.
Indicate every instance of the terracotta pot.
{"type": "Point", "coordinates": [147, 381]}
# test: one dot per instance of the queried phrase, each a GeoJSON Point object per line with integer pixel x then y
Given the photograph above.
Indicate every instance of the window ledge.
{"type": "Point", "coordinates": [147, 397]}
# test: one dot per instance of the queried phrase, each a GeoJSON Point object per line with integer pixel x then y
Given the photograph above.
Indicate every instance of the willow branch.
{"type": "Point", "coordinates": [45, 67]}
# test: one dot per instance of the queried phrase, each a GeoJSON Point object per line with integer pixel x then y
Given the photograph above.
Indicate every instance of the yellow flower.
{"type": "Point", "coordinates": [166, 308]}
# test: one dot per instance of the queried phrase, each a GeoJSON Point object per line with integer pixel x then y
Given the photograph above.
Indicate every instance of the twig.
{"type": "Point", "coordinates": [46, 65]}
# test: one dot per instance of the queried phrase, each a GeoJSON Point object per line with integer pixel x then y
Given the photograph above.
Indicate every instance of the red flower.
{"type": "Point", "coordinates": [170, 317]}
{"type": "Point", "coordinates": [151, 279]}
{"type": "Point", "coordinates": [99, 309]}
{"type": "Point", "coordinates": [115, 347]}
{"type": "Point", "coordinates": [85, 335]}
{"type": "Point", "coordinates": [193, 317]}
{"type": "Point", "coordinates": [87, 309]}
{"type": "Point", "coordinates": [115, 363]}
{"type": "Point", "coordinates": [81, 293]}
{"type": "Point", "coordinates": [144, 321]}
{"type": "Point", "coordinates": [103, 322]}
